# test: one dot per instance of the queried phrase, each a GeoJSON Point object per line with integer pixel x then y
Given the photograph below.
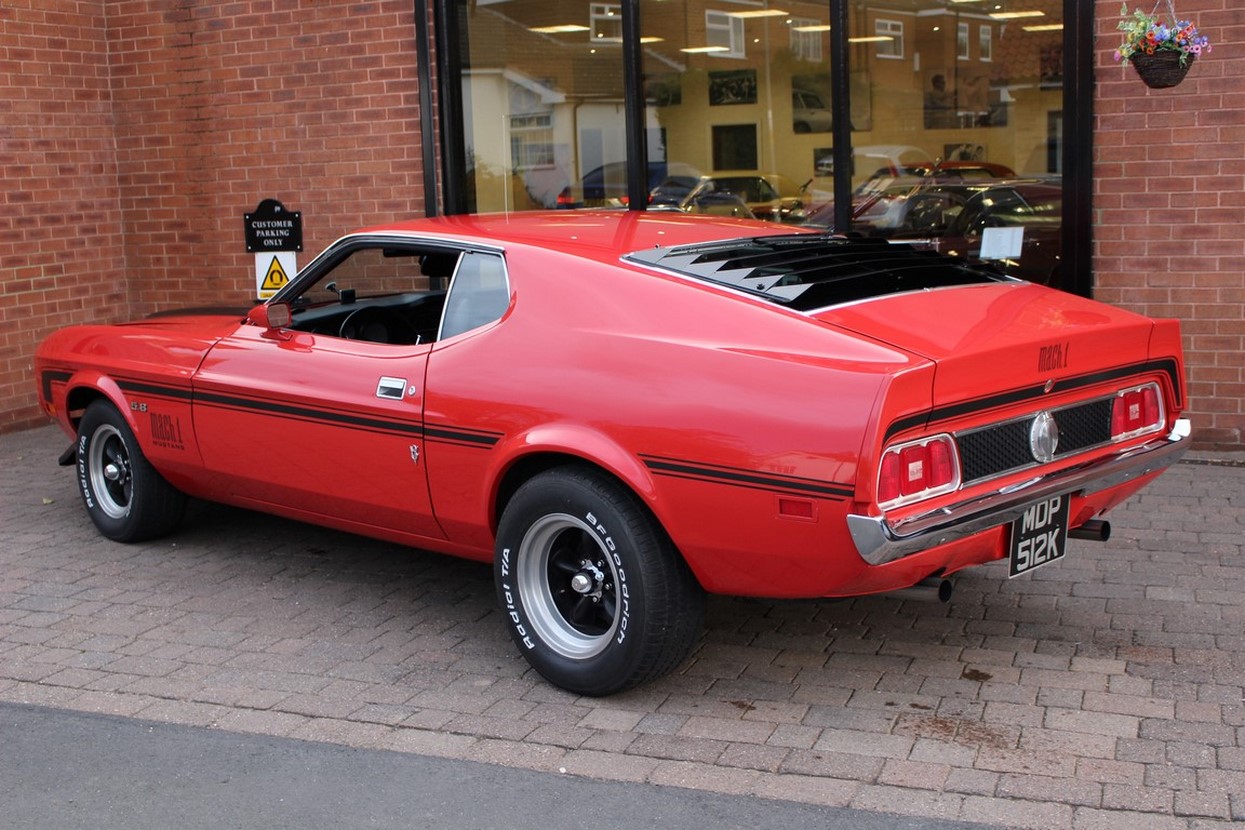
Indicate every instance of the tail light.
{"type": "Point", "coordinates": [1137, 411]}
{"type": "Point", "coordinates": [918, 470]}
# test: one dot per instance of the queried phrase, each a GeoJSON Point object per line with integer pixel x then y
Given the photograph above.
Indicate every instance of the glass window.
{"type": "Point", "coordinates": [738, 114]}
{"type": "Point", "coordinates": [889, 37]}
{"type": "Point", "coordinates": [606, 22]}
{"type": "Point", "coordinates": [392, 293]}
{"type": "Point", "coordinates": [963, 143]}
{"type": "Point", "coordinates": [531, 140]}
{"type": "Point", "coordinates": [806, 37]}
{"type": "Point", "coordinates": [724, 34]}
{"type": "Point", "coordinates": [542, 94]}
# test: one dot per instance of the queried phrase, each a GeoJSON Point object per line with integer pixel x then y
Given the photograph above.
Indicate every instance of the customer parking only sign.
{"type": "Point", "coordinates": [274, 235]}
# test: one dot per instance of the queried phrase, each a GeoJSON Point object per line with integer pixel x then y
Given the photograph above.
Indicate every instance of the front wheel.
{"type": "Point", "coordinates": [125, 496]}
{"type": "Point", "coordinates": [594, 593]}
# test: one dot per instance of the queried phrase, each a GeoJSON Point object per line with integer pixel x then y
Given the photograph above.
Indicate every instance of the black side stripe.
{"type": "Point", "coordinates": [305, 413]}
{"type": "Point", "coordinates": [452, 435]}
{"type": "Point", "coordinates": [134, 387]}
{"type": "Point", "coordinates": [471, 438]}
{"type": "Point", "coordinates": [770, 482]}
{"type": "Point", "coordinates": [50, 377]}
{"type": "Point", "coordinates": [957, 410]}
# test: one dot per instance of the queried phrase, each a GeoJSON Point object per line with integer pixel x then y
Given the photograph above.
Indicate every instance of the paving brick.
{"type": "Point", "coordinates": [1141, 799]}
{"type": "Point", "coordinates": [1087, 818]}
{"type": "Point", "coordinates": [864, 743]}
{"type": "Point", "coordinates": [828, 792]}
{"type": "Point", "coordinates": [751, 756]}
{"type": "Point", "coordinates": [1044, 788]}
{"type": "Point", "coordinates": [909, 802]}
{"type": "Point", "coordinates": [1012, 813]}
{"type": "Point", "coordinates": [923, 776]}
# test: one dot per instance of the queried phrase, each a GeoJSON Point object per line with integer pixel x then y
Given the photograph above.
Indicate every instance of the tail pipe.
{"type": "Point", "coordinates": [927, 590]}
{"type": "Point", "coordinates": [1094, 530]}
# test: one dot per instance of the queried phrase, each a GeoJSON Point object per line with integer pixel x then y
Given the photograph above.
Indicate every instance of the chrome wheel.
{"type": "Point", "coordinates": [569, 581]}
{"type": "Point", "coordinates": [112, 476]}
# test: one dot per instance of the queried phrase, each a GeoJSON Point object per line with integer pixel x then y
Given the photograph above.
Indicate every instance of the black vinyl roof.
{"type": "Point", "coordinates": [806, 272]}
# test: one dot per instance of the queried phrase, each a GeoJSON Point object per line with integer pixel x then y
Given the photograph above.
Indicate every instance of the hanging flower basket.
{"type": "Point", "coordinates": [1161, 69]}
{"type": "Point", "coordinates": [1160, 48]}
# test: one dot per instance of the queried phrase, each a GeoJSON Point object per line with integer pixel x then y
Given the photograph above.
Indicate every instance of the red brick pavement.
{"type": "Point", "coordinates": [1103, 691]}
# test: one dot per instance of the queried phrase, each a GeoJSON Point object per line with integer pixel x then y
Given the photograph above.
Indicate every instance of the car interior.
{"type": "Point", "coordinates": [403, 296]}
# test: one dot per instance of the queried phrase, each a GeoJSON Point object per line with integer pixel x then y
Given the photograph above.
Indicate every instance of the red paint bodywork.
{"type": "Point", "coordinates": [750, 431]}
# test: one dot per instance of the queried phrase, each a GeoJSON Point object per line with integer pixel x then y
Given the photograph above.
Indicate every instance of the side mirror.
{"type": "Point", "coordinates": [273, 317]}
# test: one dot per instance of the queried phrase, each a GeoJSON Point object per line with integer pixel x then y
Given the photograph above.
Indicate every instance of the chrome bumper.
{"type": "Point", "coordinates": [878, 541]}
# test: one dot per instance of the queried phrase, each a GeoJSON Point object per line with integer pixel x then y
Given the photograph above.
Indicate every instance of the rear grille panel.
{"type": "Point", "coordinates": [1004, 448]}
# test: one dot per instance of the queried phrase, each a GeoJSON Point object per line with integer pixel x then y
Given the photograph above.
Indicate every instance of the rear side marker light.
{"type": "Point", "coordinates": [1137, 411]}
{"type": "Point", "coordinates": [918, 470]}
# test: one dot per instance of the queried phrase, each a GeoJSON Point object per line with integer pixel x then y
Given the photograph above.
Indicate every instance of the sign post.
{"type": "Point", "coordinates": [274, 235]}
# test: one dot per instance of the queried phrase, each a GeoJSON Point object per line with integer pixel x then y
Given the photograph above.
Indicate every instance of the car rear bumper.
{"type": "Point", "coordinates": [879, 541]}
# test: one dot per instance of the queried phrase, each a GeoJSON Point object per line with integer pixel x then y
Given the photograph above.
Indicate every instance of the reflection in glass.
{"type": "Point", "coordinates": [542, 104]}
{"type": "Point", "coordinates": [954, 104]}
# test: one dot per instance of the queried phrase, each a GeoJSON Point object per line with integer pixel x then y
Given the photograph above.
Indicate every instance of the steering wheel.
{"type": "Point", "coordinates": [377, 324]}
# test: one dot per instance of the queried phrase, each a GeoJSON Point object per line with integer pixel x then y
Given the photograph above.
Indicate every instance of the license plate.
{"type": "Point", "coordinates": [1039, 536]}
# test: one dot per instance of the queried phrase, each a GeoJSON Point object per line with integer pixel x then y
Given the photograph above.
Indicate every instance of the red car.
{"type": "Point", "coordinates": [622, 411]}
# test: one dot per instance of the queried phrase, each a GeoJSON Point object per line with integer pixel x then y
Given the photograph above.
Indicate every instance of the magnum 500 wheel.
{"type": "Point", "coordinates": [595, 595]}
{"type": "Point", "coordinates": [124, 495]}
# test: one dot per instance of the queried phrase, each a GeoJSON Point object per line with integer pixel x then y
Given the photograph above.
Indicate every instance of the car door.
{"type": "Point", "coordinates": [325, 418]}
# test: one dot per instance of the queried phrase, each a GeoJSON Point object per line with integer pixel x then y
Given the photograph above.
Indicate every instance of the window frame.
{"type": "Point", "coordinates": [734, 29]}
{"type": "Point", "coordinates": [895, 31]}
{"type": "Point", "coordinates": [805, 45]}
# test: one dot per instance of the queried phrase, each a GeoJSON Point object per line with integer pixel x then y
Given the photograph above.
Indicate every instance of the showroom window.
{"type": "Point", "coordinates": [740, 107]}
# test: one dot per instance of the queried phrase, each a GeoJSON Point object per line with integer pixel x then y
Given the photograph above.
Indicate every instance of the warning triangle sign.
{"type": "Point", "coordinates": [275, 278]}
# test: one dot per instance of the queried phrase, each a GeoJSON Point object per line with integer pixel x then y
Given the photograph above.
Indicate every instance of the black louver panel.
{"type": "Point", "coordinates": [807, 272]}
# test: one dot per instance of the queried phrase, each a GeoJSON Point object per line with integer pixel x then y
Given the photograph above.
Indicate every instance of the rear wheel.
{"type": "Point", "coordinates": [124, 495]}
{"type": "Point", "coordinates": [595, 595]}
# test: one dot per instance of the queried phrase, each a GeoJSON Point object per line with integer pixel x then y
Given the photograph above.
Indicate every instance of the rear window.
{"type": "Point", "coordinates": [810, 272]}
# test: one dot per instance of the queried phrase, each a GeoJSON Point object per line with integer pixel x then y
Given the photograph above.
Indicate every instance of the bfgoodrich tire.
{"type": "Point", "coordinates": [124, 495]}
{"type": "Point", "coordinates": [593, 591]}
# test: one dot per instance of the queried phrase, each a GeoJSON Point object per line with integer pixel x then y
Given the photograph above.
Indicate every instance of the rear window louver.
{"type": "Point", "coordinates": [808, 272]}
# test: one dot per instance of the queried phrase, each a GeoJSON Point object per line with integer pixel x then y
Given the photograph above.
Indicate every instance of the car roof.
{"type": "Point", "coordinates": [603, 235]}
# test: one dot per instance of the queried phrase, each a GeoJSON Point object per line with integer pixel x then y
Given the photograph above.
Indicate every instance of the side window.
{"type": "Point", "coordinates": [479, 294]}
{"type": "Point", "coordinates": [390, 293]}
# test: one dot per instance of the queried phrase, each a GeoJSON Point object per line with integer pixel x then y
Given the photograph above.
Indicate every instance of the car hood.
{"type": "Point", "coordinates": [1001, 336]}
{"type": "Point", "coordinates": [173, 341]}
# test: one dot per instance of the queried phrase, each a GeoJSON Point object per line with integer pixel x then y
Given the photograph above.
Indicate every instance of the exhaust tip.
{"type": "Point", "coordinates": [928, 590]}
{"type": "Point", "coordinates": [1095, 530]}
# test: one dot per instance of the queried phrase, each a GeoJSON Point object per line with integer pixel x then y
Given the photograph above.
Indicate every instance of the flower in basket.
{"type": "Point", "coordinates": [1147, 34]}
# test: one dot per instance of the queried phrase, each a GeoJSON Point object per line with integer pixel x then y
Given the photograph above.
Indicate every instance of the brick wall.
{"type": "Point", "coordinates": [1169, 200]}
{"type": "Point", "coordinates": [137, 133]}
{"type": "Point", "coordinates": [220, 105]}
{"type": "Point", "coordinates": [61, 241]}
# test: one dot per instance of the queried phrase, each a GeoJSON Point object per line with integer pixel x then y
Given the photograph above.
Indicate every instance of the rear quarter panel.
{"type": "Point", "coordinates": [739, 425]}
